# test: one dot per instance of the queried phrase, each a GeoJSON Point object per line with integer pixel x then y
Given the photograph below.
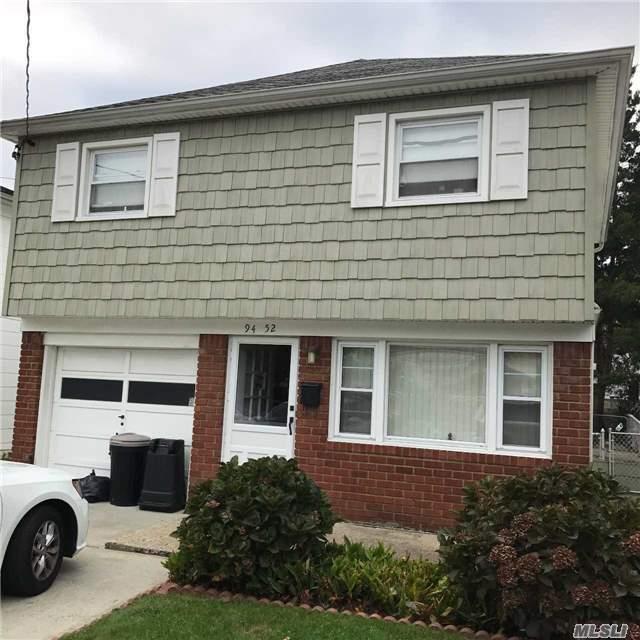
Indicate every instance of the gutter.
{"type": "Point", "coordinates": [556, 66]}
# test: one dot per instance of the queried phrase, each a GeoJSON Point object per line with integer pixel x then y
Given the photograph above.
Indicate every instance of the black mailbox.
{"type": "Point", "coordinates": [310, 394]}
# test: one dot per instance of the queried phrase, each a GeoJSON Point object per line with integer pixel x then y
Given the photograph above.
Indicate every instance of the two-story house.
{"type": "Point", "coordinates": [382, 267]}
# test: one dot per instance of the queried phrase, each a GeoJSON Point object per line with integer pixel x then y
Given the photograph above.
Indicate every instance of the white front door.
{"type": "Point", "coordinates": [261, 398]}
{"type": "Point", "coordinates": [100, 392]}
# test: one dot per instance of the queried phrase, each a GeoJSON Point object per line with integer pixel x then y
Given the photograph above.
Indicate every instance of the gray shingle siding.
{"type": "Point", "coordinates": [264, 228]}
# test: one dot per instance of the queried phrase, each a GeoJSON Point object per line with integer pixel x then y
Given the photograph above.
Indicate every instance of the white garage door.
{"type": "Point", "coordinates": [101, 392]}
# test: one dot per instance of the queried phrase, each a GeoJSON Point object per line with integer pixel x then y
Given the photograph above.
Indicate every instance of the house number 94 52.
{"type": "Point", "coordinates": [268, 327]}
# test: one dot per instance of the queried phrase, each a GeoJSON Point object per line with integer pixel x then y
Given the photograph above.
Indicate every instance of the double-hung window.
{"type": "Point", "coordinates": [115, 180]}
{"type": "Point", "coordinates": [522, 398]}
{"type": "Point", "coordinates": [355, 397]}
{"type": "Point", "coordinates": [439, 156]}
{"type": "Point", "coordinates": [470, 397]}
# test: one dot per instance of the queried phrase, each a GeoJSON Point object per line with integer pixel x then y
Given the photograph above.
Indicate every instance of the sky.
{"type": "Point", "coordinates": [86, 53]}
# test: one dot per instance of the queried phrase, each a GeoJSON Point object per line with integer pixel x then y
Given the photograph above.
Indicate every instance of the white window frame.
{"type": "Point", "coordinates": [544, 399]}
{"type": "Point", "coordinates": [339, 348]}
{"type": "Point", "coordinates": [397, 121]}
{"type": "Point", "coordinates": [493, 405]}
{"type": "Point", "coordinates": [86, 173]}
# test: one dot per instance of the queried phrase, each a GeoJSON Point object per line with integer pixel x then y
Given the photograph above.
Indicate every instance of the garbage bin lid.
{"type": "Point", "coordinates": [130, 440]}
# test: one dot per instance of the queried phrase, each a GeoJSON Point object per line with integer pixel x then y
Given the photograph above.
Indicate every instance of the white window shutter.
{"type": "Point", "coordinates": [510, 149]}
{"type": "Point", "coordinates": [367, 178]}
{"type": "Point", "coordinates": [65, 182]}
{"type": "Point", "coordinates": [164, 174]}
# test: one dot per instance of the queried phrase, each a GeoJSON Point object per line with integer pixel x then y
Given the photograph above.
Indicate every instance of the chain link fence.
{"type": "Point", "coordinates": [617, 453]}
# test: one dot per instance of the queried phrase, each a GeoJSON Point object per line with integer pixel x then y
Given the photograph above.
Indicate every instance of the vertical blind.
{"type": "Point", "coordinates": [437, 393]}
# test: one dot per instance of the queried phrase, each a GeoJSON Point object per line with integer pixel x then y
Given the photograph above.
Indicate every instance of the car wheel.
{"type": "Point", "coordinates": [34, 554]}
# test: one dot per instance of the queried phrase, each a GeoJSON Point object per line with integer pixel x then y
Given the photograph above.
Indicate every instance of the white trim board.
{"type": "Point", "coordinates": [165, 333]}
{"type": "Point", "coordinates": [45, 407]}
{"type": "Point", "coordinates": [122, 341]}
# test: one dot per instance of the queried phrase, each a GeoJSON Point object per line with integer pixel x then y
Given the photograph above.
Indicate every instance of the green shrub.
{"type": "Point", "coordinates": [376, 579]}
{"type": "Point", "coordinates": [251, 527]}
{"type": "Point", "coordinates": [536, 554]}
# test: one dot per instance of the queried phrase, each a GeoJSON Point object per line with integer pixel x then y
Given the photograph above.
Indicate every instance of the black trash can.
{"type": "Point", "coordinates": [164, 485]}
{"type": "Point", "coordinates": [128, 453]}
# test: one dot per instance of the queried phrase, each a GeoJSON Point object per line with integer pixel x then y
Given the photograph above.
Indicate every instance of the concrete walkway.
{"type": "Point", "coordinates": [157, 539]}
{"type": "Point", "coordinates": [91, 584]}
{"type": "Point", "coordinates": [100, 579]}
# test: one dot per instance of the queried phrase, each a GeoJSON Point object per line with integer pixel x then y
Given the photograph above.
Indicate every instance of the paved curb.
{"type": "Point", "coordinates": [227, 596]}
{"type": "Point", "coordinates": [148, 551]}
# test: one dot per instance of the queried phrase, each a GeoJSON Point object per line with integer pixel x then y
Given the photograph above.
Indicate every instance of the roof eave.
{"type": "Point", "coordinates": [542, 68]}
{"type": "Point", "coordinates": [625, 69]}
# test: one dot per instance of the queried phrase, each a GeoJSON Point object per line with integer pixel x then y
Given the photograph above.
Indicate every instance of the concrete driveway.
{"type": "Point", "coordinates": [91, 584]}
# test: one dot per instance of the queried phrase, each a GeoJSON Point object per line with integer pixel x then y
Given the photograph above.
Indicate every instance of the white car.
{"type": "Point", "coordinates": [43, 517]}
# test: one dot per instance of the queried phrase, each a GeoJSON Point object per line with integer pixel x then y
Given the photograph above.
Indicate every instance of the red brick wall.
{"type": "Point", "coordinates": [571, 402]}
{"type": "Point", "coordinates": [418, 488]}
{"type": "Point", "coordinates": [209, 407]}
{"type": "Point", "coordinates": [422, 488]}
{"type": "Point", "coordinates": [25, 422]}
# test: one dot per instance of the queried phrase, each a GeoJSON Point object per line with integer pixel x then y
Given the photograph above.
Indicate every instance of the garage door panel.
{"type": "Point", "coordinates": [174, 362]}
{"type": "Point", "coordinates": [158, 424]}
{"type": "Point", "coordinates": [73, 418]}
{"type": "Point", "coordinates": [93, 360]}
{"type": "Point", "coordinates": [81, 454]}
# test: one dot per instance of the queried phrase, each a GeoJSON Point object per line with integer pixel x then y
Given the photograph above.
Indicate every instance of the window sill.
{"type": "Point", "coordinates": [443, 446]}
{"type": "Point", "coordinates": [99, 217]}
{"type": "Point", "coordinates": [353, 438]}
{"type": "Point", "coordinates": [452, 198]}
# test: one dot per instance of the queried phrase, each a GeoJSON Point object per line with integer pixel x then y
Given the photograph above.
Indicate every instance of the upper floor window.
{"type": "Point", "coordinates": [463, 154]}
{"type": "Point", "coordinates": [438, 156]}
{"type": "Point", "coordinates": [115, 179]}
{"type": "Point", "coordinates": [118, 180]}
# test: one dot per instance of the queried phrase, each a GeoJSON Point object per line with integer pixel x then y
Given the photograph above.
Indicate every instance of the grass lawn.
{"type": "Point", "coordinates": [195, 618]}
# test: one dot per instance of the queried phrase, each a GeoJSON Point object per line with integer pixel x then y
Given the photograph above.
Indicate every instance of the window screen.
{"type": "Point", "coordinates": [262, 387]}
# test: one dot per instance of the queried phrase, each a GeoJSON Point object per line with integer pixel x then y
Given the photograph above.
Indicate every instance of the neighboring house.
{"type": "Point", "coordinates": [382, 267]}
{"type": "Point", "coordinates": [9, 331]}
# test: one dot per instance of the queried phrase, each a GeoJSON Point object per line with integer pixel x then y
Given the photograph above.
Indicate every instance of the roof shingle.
{"type": "Point", "coordinates": [353, 70]}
